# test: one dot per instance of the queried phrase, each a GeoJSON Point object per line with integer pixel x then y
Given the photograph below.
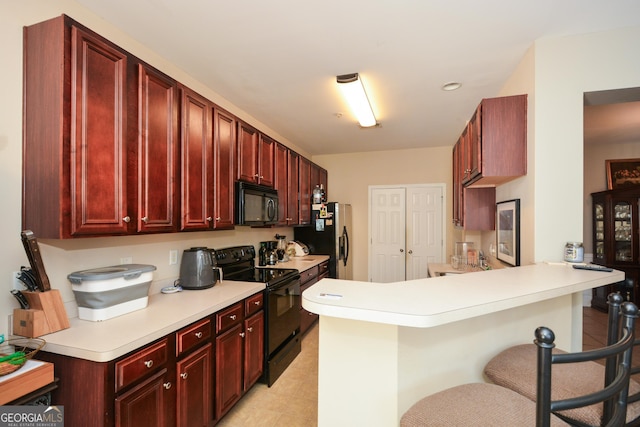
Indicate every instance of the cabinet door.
{"type": "Point", "coordinates": [197, 162]}
{"type": "Point", "coordinates": [280, 182]}
{"type": "Point", "coordinates": [253, 349]}
{"type": "Point", "coordinates": [194, 388]}
{"type": "Point", "coordinates": [624, 239]}
{"type": "Point", "coordinates": [457, 186]}
{"type": "Point", "coordinates": [98, 137]}
{"type": "Point", "coordinates": [305, 191]}
{"type": "Point", "coordinates": [247, 157]}
{"type": "Point", "coordinates": [599, 248]}
{"type": "Point", "coordinates": [228, 369]}
{"type": "Point", "coordinates": [224, 157]}
{"type": "Point", "coordinates": [293, 195]}
{"type": "Point", "coordinates": [148, 404]}
{"type": "Point", "coordinates": [158, 152]}
{"type": "Point", "coordinates": [474, 139]}
{"type": "Point", "coordinates": [265, 161]}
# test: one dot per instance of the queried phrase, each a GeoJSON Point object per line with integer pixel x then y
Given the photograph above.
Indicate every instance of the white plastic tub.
{"type": "Point", "coordinates": [107, 292]}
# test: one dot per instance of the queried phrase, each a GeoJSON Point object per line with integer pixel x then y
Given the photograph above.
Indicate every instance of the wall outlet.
{"type": "Point", "coordinates": [15, 282]}
{"type": "Point", "coordinates": [126, 260]}
{"type": "Point", "coordinates": [173, 257]}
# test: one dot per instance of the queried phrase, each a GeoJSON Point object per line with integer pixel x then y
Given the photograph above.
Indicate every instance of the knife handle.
{"type": "Point", "coordinates": [35, 259]}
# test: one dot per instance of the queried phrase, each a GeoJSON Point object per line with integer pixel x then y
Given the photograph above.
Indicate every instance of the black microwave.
{"type": "Point", "coordinates": [256, 204]}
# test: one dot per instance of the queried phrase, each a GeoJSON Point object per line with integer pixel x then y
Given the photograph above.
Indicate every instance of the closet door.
{"type": "Point", "coordinates": [388, 214]}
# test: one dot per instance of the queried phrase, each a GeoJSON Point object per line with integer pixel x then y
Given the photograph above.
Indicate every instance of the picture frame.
{"type": "Point", "coordinates": [622, 173]}
{"type": "Point", "coordinates": [508, 232]}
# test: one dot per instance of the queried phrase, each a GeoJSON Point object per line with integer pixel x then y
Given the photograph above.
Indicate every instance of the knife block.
{"type": "Point", "coordinates": [45, 315]}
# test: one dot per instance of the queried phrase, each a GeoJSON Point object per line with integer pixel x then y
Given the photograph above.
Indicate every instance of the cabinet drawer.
{"type": "Point", "coordinates": [309, 274]}
{"type": "Point", "coordinates": [139, 364]}
{"type": "Point", "coordinates": [192, 336]}
{"type": "Point", "coordinates": [253, 304]}
{"type": "Point", "coordinates": [229, 317]}
{"type": "Point", "coordinates": [323, 268]}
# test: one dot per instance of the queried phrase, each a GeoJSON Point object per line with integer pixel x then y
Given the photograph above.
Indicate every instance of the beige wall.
{"type": "Point", "coordinates": [565, 68]}
{"type": "Point", "coordinates": [350, 176]}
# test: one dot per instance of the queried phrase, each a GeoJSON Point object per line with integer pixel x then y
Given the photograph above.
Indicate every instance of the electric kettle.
{"type": "Point", "coordinates": [198, 268]}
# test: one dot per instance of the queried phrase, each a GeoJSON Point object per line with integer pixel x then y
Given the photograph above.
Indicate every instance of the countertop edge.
{"type": "Point", "coordinates": [396, 303]}
{"type": "Point", "coordinates": [165, 314]}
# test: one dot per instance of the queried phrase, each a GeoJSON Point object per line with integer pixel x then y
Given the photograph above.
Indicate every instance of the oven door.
{"type": "Point", "coordinates": [283, 313]}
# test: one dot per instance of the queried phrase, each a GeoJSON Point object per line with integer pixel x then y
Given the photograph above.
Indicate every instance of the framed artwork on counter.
{"type": "Point", "coordinates": [508, 231]}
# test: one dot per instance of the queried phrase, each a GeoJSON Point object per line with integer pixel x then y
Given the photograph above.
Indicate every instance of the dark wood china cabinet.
{"type": "Point", "coordinates": [615, 240]}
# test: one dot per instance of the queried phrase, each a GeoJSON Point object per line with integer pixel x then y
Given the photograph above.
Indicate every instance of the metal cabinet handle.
{"type": "Point", "coordinates": [198, 334]}
{"type": "Point", "coordinates": [218, 218]}
{"type": "Point", "coordinates": [145, 219]}
{"type": "Point", "coordinates": [410, 251]}
{"type": "Point", "coordinates": [249, 329]}
{"type": "Point", "coordinates": [256, 302]}
{"type": "Point", "coordinates": [184, 375]}
{"type": "Point", "coordinates": [167, 385]}
{"type": "Point", "coordinates": [148, 363]}
{"type": "Point", "coordinates": [233, 317]}
{"type": "Point", "coordinates": [209, 219]}
{"type": "Point", "coordinates": [401, 250]}
{"type": "Point", "coordinates": [242, 334]}
{"type": "Point", "coordinates": [127, 219]}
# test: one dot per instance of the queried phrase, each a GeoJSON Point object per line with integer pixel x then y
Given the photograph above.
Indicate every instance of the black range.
{"type": "Point", "coordinates": [282, 305]}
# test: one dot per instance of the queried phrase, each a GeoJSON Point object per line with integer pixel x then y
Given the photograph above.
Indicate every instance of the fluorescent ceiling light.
{"type": "Point", "coordinates": [356, 97]}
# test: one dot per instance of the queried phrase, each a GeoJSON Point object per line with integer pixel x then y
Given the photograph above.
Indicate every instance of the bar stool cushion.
{"type": "Point", "coordinates": [515, 368]}
{"type": "Point", "coordinates": [474, 404]}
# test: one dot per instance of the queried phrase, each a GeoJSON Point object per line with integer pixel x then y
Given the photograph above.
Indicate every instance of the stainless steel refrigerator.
{"type": "Point", "coordinates": [330, 234]}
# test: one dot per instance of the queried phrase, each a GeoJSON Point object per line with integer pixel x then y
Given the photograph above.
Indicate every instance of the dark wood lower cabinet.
{"type": "Point", "coordinates": [189, 378]}
{"type": "Point", "coordinates": [148, 404]}
{"type": "Point", "coordinates": [228, 370]}
{"type": "Point", "coordinates": [194, 387]}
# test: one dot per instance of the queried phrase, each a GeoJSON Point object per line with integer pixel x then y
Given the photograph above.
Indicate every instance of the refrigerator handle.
{"type": "Point", "coordinates": [345, 244]}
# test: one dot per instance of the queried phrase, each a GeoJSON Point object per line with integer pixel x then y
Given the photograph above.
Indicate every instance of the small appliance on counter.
{"type": "Point", "coordinates": [299, 248]}
{"type": "Point", "coordinates": [198, 268]}
{"type": "Point", "coordinates": [107, 292]}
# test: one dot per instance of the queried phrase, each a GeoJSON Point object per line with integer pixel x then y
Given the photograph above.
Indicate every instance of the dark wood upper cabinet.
{"type": "Point", "coordinates": [304, 212]}
{"type": "Point", "coordinates": [255, 156]}
{"type": "Point", "coordinates": [197, 162]}
{"type": "Point", "coordinates": [496, 140]}
{"type": "Point", "coordinates": [224, 143]}
{"type": "Point", "coordinates": [112, 146]}
{"type": "Point", "coordinates": [75, 132]}
{"type": "Point", "coordinates": [158, 152]}
{"type": "Point", "coordinates": [280, 167]}
{"type": "Point", "coordinates": [247, 158]}
{"type": "Point", "coordinates": [293, 188]}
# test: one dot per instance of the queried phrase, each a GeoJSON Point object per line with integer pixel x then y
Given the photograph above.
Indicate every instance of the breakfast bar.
{"type": "Point", "coordinates": [383, 346]}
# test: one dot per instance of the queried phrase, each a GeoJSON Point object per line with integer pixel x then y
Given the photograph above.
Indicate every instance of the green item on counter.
{"type": "Point", "coordinates": [15, 356]}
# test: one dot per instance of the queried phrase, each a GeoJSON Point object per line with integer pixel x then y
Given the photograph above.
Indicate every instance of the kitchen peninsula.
{"type": "Point", "coordinates": [383, 346]}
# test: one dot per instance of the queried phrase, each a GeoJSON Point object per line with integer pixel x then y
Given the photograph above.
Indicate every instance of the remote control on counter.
{"type": "Point", "coordinates": [593, 267]}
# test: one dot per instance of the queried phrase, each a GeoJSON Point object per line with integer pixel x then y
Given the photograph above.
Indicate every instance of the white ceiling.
{"type": "Point", "coordinates": [277, 59]}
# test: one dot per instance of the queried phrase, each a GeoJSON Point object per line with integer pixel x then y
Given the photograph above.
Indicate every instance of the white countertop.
{"type": "Point", "coordinates": [435, 301]}
{"type": "Point", "coordinates": [165, 313]}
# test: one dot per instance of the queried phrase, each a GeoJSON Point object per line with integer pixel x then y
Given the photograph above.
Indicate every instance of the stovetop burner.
{"type": "Point", "coordinates": [238, 264]}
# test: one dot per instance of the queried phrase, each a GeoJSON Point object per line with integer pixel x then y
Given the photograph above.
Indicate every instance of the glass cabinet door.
{"type": "Point", "coordinates": [623, 232]}
{"type": "Point", "coordinates": [598, 224]}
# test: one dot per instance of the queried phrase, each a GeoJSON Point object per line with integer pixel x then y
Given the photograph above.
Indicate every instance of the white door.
{"type": "Point", "coordinates": [387, 261]}
{"type": "Point", "coordinates": [424, 230]}
{"type": "Point", "coordinates": [406, 231]}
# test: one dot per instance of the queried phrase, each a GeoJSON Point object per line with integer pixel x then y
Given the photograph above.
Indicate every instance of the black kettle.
{"type": "Point", "coordinates": [198, 268]}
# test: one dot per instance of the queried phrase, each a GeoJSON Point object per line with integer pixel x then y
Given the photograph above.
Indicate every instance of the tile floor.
{"type": "Point", "coordinates": [293, 400]}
